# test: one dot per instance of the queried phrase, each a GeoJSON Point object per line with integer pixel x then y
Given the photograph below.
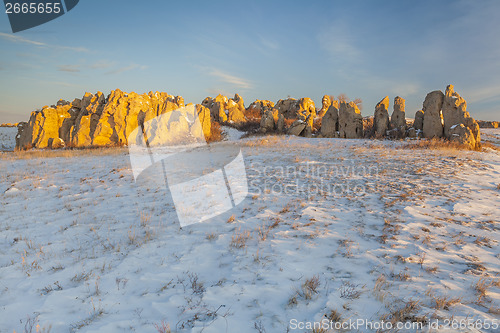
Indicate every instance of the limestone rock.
{"type": "Point", "coordinates": [433, 126]}
{"type": "Point", "coordinates": [381, 117]}
{"type": "Point", "coordinates": [258, 107]}
{"type": "Point", "coordinates": [350, 121]}
{"type": "Point", "coordinates": [454, 109]}
{"type": "Point", "coordinates": [297, 127]}
{"type": "Point", "coordinates": [280, 123]}
{"type": "Point", "coordinates": [267, 123]}
{"type": "Point", "coordinates": [293, 109]}
{"type": "Point", "coordinates": [398, 117]}
{"type": "Point", "coordinates": [330, 121]}
{"type": "Point", "coordinates": [418, 123]}
{"type": "Point", "coordinates": [309, 126]}
{"type": "Point", "coordinates": [326, 101]}
{"type": "Point", "coordinates": [463, 135]}
{"type": "Point", "coordinates": [488, 124]}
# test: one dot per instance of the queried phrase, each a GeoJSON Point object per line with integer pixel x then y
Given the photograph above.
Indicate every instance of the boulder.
{"type": "Point", "coordinates": [293, 109]}
{"type": "Point", "coordinates": [258, 107]}
{"type": "Point", "coordinates": [463, 135]}
{"type": "Point", "coordinates": [418, 123]}
{"type": "Point", "coordinates": [280, 123]}
{"type": "Point", "coordinates": [297, 127]}
{"type": "Point", "coordinates": [350, 121]}
{"type": "Point", "coordinates": [381, 117]}
{"type": "Point", "coordinates": [267, 123]}
{"type": "Point", "coordinates": [398, 117]}
{"type": "Point", "coordinates": [454, 110]}
{"type": "Point", "coordinates": [330, 121]}
{"type": "Point", "coordinates": [432, 125]}
{"type": "Point", "coordinates": [309, 126]}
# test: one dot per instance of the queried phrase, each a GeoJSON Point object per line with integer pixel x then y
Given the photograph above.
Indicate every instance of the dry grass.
{"type": "Point", "coordinates": [434, 144]}
{"type": "Point", "coordinates": [66, 152]}
{"type": "Point", "coordinates": [239, 239]}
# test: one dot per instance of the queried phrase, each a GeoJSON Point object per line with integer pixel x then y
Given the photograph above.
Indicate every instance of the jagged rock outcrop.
{"type": "Point", "coordinates": [224, 110]}
{"type": "Point", "coordinates": [43, 126]}
{"type": "Point", "coordinates": [258, 107]}
{"type": "Point", "coordinates": [398, 117]}
{"type": "Point", "coordinates": [326, 101]}
{"type": "Point", "coordinates": [418, 123]}
{"type": "Point", "coordinates": [267, 123]}
{"type": "Point", "coordinates": [350, 121]}
{"type": "Point", "coordinates": [488, 124]}
{"type": "Point", "coordinates": [381, 117]}
{"type": "Point", "coordinates": [463, 135]}
{"type": "Point", "coordinates": [96, 120]}
{"type": "Point", "coordinates": [330, 121]}
{"type": "Point", "coordinates": [293, 109]}
{"type": "Point", "coordinates": [433, 125]}
{"type": "Point", "coordinates": [455, 113]}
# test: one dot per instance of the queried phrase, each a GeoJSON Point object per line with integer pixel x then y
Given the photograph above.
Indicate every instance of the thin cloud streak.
{"type": "Point", "coordinates": [227, 78]}
{"type": "Point", "coordinates": [69, 68]}
{"type": "Point", "coordinates": [125, 69]}
{"type": "Point", "coordinates": [19, 39]}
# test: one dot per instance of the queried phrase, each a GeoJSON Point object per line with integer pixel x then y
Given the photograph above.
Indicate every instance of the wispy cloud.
{"type": "Point", "coordinates": [19, 39]}
{"type": "Point", "coordinates": [69, 68]}
{"type": "Point", "coordinates": [338, 41]}
{"type": "Point", "coordinates": [231, 79]}
{"type": "Point", "coordinates": [483, 94]}
{"type": "Point", "coordinates": [126, 68]}
{"type": "Point", "coordinates": [102, 64]}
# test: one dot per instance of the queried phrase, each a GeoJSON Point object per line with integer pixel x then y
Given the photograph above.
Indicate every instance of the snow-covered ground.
{"type": "Point", "coordinates": [8, 138]}
{"type": "Point", "coordinates": [339, 229]}
{"type": "Point", "coordinates": [491, 135]}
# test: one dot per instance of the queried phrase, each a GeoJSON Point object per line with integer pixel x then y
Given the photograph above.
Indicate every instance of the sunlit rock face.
{"type": "Point", "coordinates": [96, 120]}
{"type": "Point", "coordinates": [350, 121]}
{"type": "Point", "coordinates": [223, 109]}
{"type": "Point", "coordinates": [381, 117]}
{"type": "Point", "coordinates": [330, 121]}
{"type": "Point", "coordinates": [292, 108]}
{"type": "Point", "coordinates": [433, 126]}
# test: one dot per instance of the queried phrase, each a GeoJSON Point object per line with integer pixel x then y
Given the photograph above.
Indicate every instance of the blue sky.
{"type": "Point", "coordinates": [259, 49]}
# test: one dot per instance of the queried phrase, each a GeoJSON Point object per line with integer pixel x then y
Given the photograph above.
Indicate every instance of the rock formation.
{"type": "Point", "coordinates": [488, 124]}
{"type": "Point", "coordinates": [433, 125]}
{"type": "Point", "coordinates": [330, 121]}
{"type": "Point", "coordinates": [326, 102]}
{"type": "Point", "coordinates": [96, 120]}
{"type": "Point", "coordinates": [398, 117]}
{"type": "Point", "coordinates": [418, 123]}
{"type": "Point", "coordinates": [224, 110]}
{"type": "Point", "coordinates": [350, 121]}
{"type": "Point", "coordinates": [293, 109]}
{"type": "Point", "coordinates": [381, 117]}
{"type": "Point", "coordinates": [267, 123]}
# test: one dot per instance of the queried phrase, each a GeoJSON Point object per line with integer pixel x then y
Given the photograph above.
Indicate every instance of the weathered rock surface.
{"type": "Point", "coordinates": [350, 121]}
{"type": "Point", "coordinates": [418, 123]}
{"type": "Point", "coordinates": [381, 117]}
{"type": "Point", "coordinates": [463, 135]}
{"type": "Point", "coordinates": [488, 124]}
{"type": "Point", "coordinates": [398, 117]}
{"type": "Point", "coordinates": [454, 110]}
{"type": "Point", "coordinates": [267, 123]}
{"type": "Point", "coordinates": [433, 126]}
{"type": "Point", "coordinates": [297, 127]}
{"type": "Point", "coordinates": [96, 120]}
{"type": "Point", "coordinates": [293, 109]}
{"type": "Point", "coordinates": [224, 110]}
{"type": "Point", "coordinates": [326, 102]}
{"type": "Point", "coordinates": [330, 121]}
